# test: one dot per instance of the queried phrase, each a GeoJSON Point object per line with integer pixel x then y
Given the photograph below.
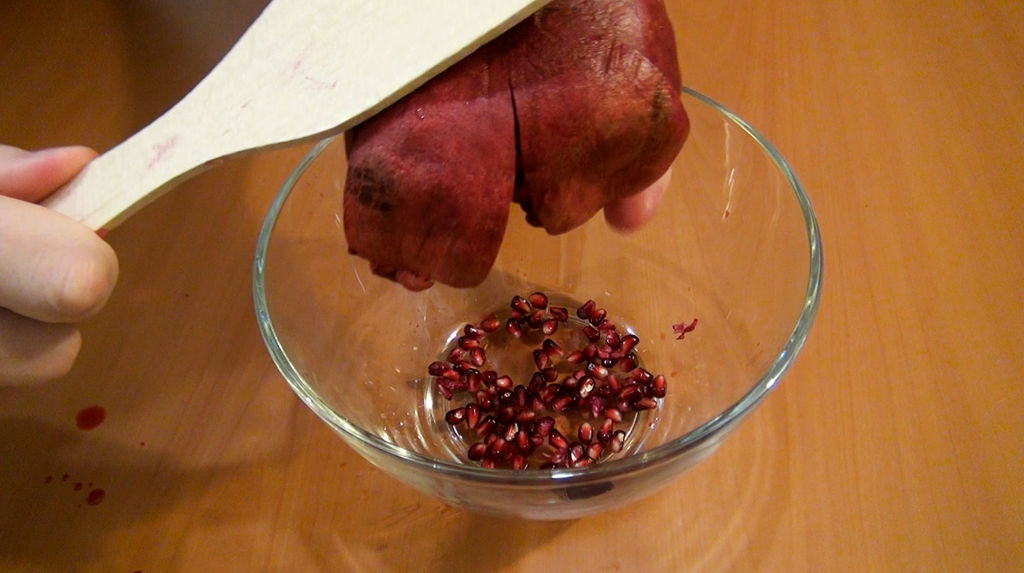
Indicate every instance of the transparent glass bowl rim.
{"type": "Point", "coordinates": [666, 452]}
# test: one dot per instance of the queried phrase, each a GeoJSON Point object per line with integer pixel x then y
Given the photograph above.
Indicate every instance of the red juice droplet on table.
{"type": "Point", "coordinates": [95, 496]}
{"type": "Point", "coordinates": [89, 418]}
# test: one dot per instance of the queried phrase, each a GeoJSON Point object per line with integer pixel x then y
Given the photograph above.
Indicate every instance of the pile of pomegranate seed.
{"type": "Point", "coordinates": [567, 414]}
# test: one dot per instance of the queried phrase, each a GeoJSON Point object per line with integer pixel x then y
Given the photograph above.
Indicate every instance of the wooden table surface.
{"type": "Point", "coordinates": [895, 443]}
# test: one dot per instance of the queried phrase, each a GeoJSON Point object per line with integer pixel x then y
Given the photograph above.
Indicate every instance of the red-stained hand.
{"type": "Point", "coordinates": [54, 272]}
{"type": "Point", "coordinates": [631, 213]}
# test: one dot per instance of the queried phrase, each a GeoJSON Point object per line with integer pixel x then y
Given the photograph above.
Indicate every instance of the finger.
{"type": "Point", "coordinates": [632, 212]}
{"type": "Point", "coordinates": [54, 269]}
{"type": "Point", "coordinates": [32, 175]}
{"type": "Point", "coordinates": [32, 352]}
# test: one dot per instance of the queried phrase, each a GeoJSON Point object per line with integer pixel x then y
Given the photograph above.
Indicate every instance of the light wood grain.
{"type": "Point", "coordinates": [895, 443]}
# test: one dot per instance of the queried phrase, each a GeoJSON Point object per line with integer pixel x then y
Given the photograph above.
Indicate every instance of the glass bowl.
{"type": "Point", "coordinates": [734, 244]}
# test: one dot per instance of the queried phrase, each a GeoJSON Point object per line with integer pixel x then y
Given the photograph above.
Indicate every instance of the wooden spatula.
{"type": "Point", "coordinates": [305, 69]}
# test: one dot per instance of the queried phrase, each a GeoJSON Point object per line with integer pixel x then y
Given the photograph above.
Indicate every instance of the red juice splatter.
{"type": "Point", "coordinates": [95, 496]}
{"type": "Point", "coordinates": [64, 477]}
{"type": "Point", "coordinates": [78, 486]}
{"type": "Point", "coordinates": [49, 479]}
{"type": "Point", "coordinates": [89, 418]}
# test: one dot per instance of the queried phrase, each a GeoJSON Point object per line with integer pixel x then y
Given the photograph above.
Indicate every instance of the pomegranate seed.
{"type": "Point", "coordinates": [596, 406]}
{"type": "Point", "coordinates": [472, 414]}
{"type": "Point", "coordinates": [586, 433]}
{"type": "Point", "coordinates": [473, 331]}
{"type": "Point", "coordinates": [549, 374]}
{"type": "Point", "coordinates": [474, 382]}
{"type": "Point", "coordinates": [597, 371]}
{"type": "Point", "coordinates": [484, 401]}
{"type": "Point", "coordinates": [595, 450]}
{"type": "Point", "coordinates": [557, 440]}
{"type": "Point", "coordinates": [613, 383]}
{"type": "Point", "coordinates": [537, 381]}
{"type": "Point", "coordinates": [629, 342]}
{"type": "Point", "coordinates": [506, 397]}
{"type": "Point", "coordinates": [562, 404]}
{"type": "Point", "coordinates": [535, 319]}
{"type": "Point", "coordinates": [544, 426]}
{"type": "Point", "coordinates": [591, 333]}
{"type": "Point", "coordinates": [586, 387]}
{"type": "Point", "coordinates": [523, 443]}
{"type": "Point", "coordinates": [576, 452]}
{"type": "Point", "coordinates": [645, 404]}
{"type": "Point", "coordinates": [518, 462]}
{"type": "Point", "coordinates": [660, 386]}
{"type": "Point", "coordinates": [559, 313]}
{"type": "Point", "coordinates": [606, 326]}
{"type": "Point", "coordinates": [456, 416]}
{"type": "Point", "coordinates": [446, 390]}
{"type": "Point", "coordinates": [604, 433]}
{"type": "Point", "coordinates": [506, 414]}
{"type": "Point", "coordinates": [477, 357]}
{"type": "Point", "coordinates": [618, 441]}
{"type": "Point", "coordinates": [477, 451]}
{"type": "Point", "coordinates": [538, 300]}
{"type": "Point", "coordinates": [575, 357]}
{"type": "Point", "coordinates": [467, 343]}
{"type": "Point", "coordinates": [541, 359]}
{"type": "Point", "coordinates": [549, 327]}
{"type": "Point", "coordinates": [552, 348]}
{"type": "Point", "coordinates": [521, 398]}
{"type": "Point", "coordinates": [613, 414]}
{"type": "Point", "coordinates": [548, 466]}
{"type": "Point", "coordinates": [490, 438]}
{"type": "Point", "coordinates": [437, 368]}
{"type": "Point", "coordinates": [503, 382]}
{"type": "Point", "coordinates": [487, 463]}
{"type": "Point", "coordinates": [513, 326]}
{"type": "Point", "coordinates": [548, 393]}
{"type": "Point", "coordinates": [647, 390]}
{"type": "Point", "coordinates": [583, 462]}
{"type": "Point", "coordinates": [597, 315]}
{"type": "Point", "coordinates": [643, 376]}
{"type": "Point", "coordinates": [613, 340]}
{"type": "Point", "coordinates": [489, 376]}
{"type": "Point", "coordinates": [525, 416]}
{"type": "Point", "coordinates": [455, 356]}
{"type": "Point", "coordinates": [490, 324]}
{"type": "Point", "coordinates": [521, 305]}
{"type": "Point", "coordinates": [629, 392]}
{"type": "Point", "coordinates": [486, 426]}
{"type": "Point", "coordinates": [590, 352]}
{"type": "Point", "coordinates": [628, 363]}
{"type": "Point", "coordinates": [584, 311]}
{"type": "Point", "coordinates": [536, 404]}
{"type": "Point", "coordinates": [510, 431]}
{"type": "Point", "coordinates": [571, 383]}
